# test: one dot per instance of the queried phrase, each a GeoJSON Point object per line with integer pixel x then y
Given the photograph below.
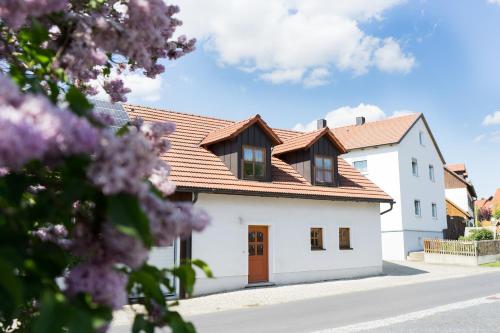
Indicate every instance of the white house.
{"type": "Point", "coordinates": [402, 157]}
{"type": "Point", "coordinates": [285, 207]}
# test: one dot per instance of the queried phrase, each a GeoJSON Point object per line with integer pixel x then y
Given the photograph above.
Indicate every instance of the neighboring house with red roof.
{"type": "Point", "coordinates": [459, 189]}
{"type": "Point", "coordinates": [491, 203]}
{"type": "Point", "coordinates": [285, 206]}
{"type": "Point", "coordinates": [400, 155]}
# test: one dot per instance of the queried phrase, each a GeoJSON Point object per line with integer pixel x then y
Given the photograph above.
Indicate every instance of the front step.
{"type": "Point", "coordinates": [416, 256]}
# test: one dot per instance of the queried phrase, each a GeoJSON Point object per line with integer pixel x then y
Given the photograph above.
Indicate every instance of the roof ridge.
{"type": "Point", "coordinates": [179, 112]}
{"type": "Point", "coordinates": [415, 114]}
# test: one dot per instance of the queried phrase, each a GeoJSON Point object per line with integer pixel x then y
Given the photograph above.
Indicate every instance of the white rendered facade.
{"type": "Point", "coordinates": [390, 167]}
{"type": "Point", "coordinates": [462, 198]}
{"type": "Point", "coordinates": [224, 244]}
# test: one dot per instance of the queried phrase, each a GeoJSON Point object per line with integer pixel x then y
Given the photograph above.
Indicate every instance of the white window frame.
{"type": "Point", "coordinates": [421, 138]}
{"type": "Point", "coordinates": [434, 210]}
{"type": "Point", "coordinates": [360, 170]}
{"type": "Point", "coordinates": [414, 172]}
{"type": "Point", "coordinates": [416, 203]}
{"type": "Point", "coordinates": [432, 175]}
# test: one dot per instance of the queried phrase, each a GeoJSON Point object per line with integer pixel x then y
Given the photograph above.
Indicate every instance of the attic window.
{"type": "Point", "coordinates": [323, 169]}
{"type": "Point", "coordinates": [254, 163]}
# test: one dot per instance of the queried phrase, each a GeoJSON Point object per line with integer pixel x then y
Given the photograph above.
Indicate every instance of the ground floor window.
{"type": "Point", "coordinates": [434, 211]}
{"type": "Point", "coordinates": [316, 239]}
{"type": "Point", "coordinates": [344, 238]}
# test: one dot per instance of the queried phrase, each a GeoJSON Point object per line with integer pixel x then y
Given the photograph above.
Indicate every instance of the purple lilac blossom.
{"type": "Point", "coordinates": [31, 127]}
{"type": "Point", "coordinates": [15, 12]}
{"type": "Point", "coordinates": [56, 234]}
{"type": "Point", "coordinates": [116, 90]}
{"type": "Point", "coordinates": [169, 220]}
{"type": "Point", "coordinates": [102, 282]}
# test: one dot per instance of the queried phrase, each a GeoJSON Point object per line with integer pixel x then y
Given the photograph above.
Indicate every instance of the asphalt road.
{"type": "Point", "coordinates": [327, 313]}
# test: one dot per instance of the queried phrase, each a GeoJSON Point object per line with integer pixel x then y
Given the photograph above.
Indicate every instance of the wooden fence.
{"type": "Point", "coordinates": [455, 247]}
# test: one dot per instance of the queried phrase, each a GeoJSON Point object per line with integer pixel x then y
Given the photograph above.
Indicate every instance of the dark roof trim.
{"type": "Point", "coordinates": [470, 187]}
{"type": "Point", "coordinates": [421, 116]}
{"type": "Point", "coordinates": [279, 195]}
{"type": "Point", "coordinates": [323, 132]}
{"type": "Point", "coordinates": [458, 208]}
{"type": "Point", "coordinates": [257, 119]}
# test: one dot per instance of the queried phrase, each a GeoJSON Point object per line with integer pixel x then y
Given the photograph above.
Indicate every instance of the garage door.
{"type": "Point", "coordinates": [163, 257]}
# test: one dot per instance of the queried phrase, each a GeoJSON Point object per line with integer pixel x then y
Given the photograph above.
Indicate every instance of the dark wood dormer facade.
{"type": "Point", "coordinates": [245, 148]}
{"type": "Point", "coordinates": [314, 155]}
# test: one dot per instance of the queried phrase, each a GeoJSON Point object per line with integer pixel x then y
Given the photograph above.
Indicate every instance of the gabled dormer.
{"type": "Point", "coordinates": [244, 147]}
{"type": "Point", "coordinates": [314, 155]}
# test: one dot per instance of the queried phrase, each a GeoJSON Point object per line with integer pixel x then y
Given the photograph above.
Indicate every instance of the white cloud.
{"type": "Point", "coordinates": [317, 77]}
{"type": "Point", "coordinates": [400, 113]}
{"type": "Point", "coordinates": [390, 58]}
{"type": "Point", "coordinates": [294, 40]}
{"type": "Point", "coordinates": [346, 115]}
{"type": "Point", "coordinates": [492, 119]}
{"type": "Point", "coordinates": [494, 2]}
{"type": "Point", "coordinates": [492, 137]}
{"type": "Point", "coordinates": [144, 89]}
{"type": "Point", "coordinates": [283, 75]}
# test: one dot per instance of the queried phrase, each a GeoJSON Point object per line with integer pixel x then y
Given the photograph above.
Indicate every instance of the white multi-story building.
{"type": "Point", "coordinates": [402, 157]}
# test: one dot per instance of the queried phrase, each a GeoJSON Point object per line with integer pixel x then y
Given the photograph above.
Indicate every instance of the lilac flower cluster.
{"type": "Point", "coordinates": [104, 283]}
{"type": "Point", "coordinates": [56, 234]}
{"type": "Point", "coordinates": [169, 220]}
{"type": "Point", "coordinates": [32, 128]}
{"type": "Point", "coordinates": [116, 90]}
{"type": "Point", "coordinates": [16, 12]}
{"type": "Point", "coordinates": [122, 164]}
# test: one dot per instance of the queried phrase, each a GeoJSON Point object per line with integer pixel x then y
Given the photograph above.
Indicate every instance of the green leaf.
{"type": "Point", "coordinates": [142, 325]}
{"type": "Point", "coordinates": [178, 325]}
{"type": "Point", "coordinates": [126, 214]}
{"type": "Point", "coordinates": [52, 314]}
{"type": "Point", "coordinates": [78, 103]}
{"type": "Point", "coordinates": [148, 277]}
{"type": "Point", "coordinates": [203, 266]}
{"type": "Point", "coordinates": [10, 287]}
{"type": "Point", "coordinates": [187, 276]}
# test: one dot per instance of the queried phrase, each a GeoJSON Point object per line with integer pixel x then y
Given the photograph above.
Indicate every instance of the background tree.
{"type": "Point", "coordinates": [81, 206]}
{"type": "Point", "coordinates": [484, 214]}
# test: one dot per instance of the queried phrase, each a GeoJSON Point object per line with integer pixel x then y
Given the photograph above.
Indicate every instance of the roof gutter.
{"type": "Point", "coordinates": [388, 210]}
{"type": "Point", "coordinates": [198, 190]}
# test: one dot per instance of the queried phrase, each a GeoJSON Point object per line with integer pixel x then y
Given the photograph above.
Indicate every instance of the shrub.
{"type": "Point", "coordinates": [479, 235]}
{"type": "Point", "coordinates": [496, 213]}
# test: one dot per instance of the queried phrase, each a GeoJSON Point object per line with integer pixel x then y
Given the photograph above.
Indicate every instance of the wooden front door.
{"type": "Point", "coordinates": [257, 254]}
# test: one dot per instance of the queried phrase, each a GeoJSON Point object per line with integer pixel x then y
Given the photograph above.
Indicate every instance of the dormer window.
{"type": "Point", "coordinates": [254, 162]}
{"type": "Point", "coordinates": [323, 169]}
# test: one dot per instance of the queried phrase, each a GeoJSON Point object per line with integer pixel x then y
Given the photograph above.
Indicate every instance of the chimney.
{"type": "Point", "coordinates": [360, 121]}
{"type": "Point", "coordinates": [321, 123]}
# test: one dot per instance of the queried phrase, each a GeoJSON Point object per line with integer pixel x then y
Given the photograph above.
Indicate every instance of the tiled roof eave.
{"type": "Point", "coordinates": [184, 188]}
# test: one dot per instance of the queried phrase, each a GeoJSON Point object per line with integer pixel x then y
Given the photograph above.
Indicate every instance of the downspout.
{"type": "Point", "coordinates": [388, 210]}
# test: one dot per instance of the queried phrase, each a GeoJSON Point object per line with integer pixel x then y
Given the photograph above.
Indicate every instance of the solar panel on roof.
{"type": "Point", "coordinates": [115, 110]}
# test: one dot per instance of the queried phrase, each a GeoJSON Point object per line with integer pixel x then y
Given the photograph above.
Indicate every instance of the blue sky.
{"type": "Point", "coordinates": [434, 57]}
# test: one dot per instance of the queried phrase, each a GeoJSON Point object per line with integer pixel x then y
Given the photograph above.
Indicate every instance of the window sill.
{"type": "Point", "coordinates": [318, 249]}
{"type": "Point", "coordinates": [346, 249]}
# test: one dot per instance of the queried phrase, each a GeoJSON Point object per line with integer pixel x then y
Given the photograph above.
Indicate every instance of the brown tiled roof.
{"type": "Point", "coordinates": [232, 130]}
{"type": "Point", "coordinates": [306, 140]}
{"type": "Point", "coordinates": [195, 168]}
{"type": "Point", "coordinates": [382, 132]}
{"type": "Point", "coordinates": [459, 167]}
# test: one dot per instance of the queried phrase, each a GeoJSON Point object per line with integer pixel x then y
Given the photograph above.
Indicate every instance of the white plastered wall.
{"type": "Point", "coordinates": [224, 245]}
